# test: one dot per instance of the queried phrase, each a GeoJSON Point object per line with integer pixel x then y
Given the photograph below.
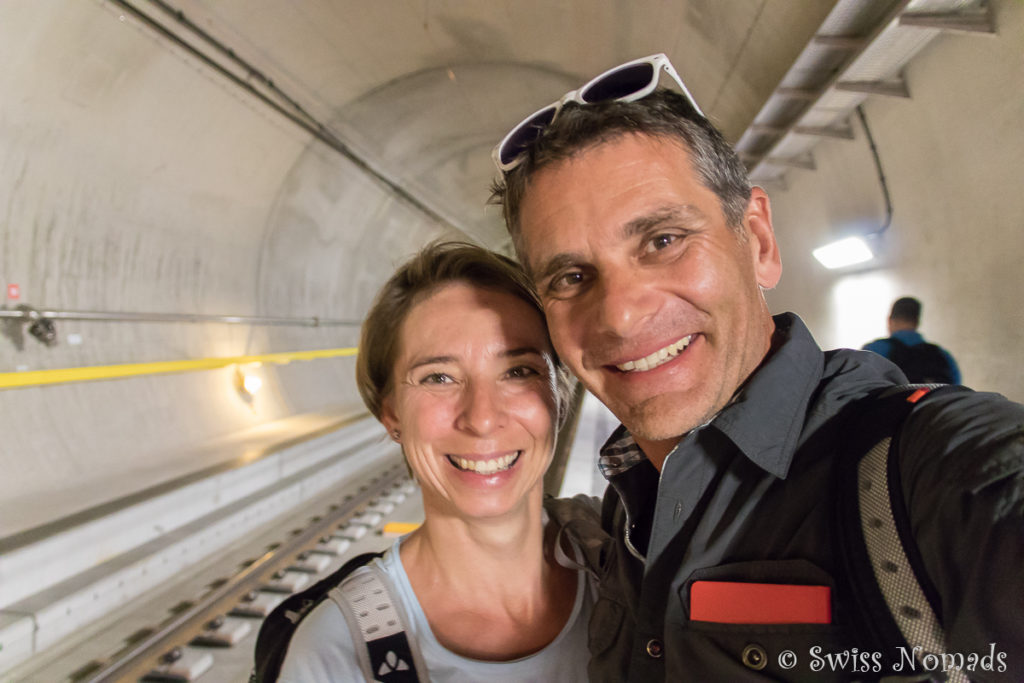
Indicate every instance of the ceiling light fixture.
{"type": "Point", "coordinates": [853, 250]}
{"type": "Point", "coordinates": [845, 252]}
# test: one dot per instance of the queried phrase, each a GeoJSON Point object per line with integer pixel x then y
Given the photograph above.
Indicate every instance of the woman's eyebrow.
{"type": "Point", "coordinates": [507, 353]}
{"type": "Point", "coordinates": [431, 360]}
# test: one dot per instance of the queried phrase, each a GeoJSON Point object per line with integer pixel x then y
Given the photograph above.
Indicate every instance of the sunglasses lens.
{"type": "Point", "coordinates": [618, 84]}
{"type": "Point", "coordinates": [526, 133]}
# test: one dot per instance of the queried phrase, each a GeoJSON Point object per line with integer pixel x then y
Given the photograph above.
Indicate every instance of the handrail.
{"type": "Point", "coordinates": [28, 378]}
{"type": "Point", "coordinates": [28, 314]}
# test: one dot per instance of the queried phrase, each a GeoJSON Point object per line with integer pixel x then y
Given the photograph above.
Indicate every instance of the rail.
{"type": "Point", "coordinates": [30, 378]}
{"type": "Point", "coordinates": [140, 658]}
{"type": "Point", "coordinates": [28, 314]}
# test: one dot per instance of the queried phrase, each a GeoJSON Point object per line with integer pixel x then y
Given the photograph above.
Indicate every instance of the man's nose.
{"type": "Point", "coordinates": [482, 411]}
{"type": "Point", "coordinates": [623, 301]}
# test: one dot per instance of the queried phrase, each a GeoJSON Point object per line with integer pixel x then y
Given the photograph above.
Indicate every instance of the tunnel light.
{"type": "Point", "coordinates": [247, 383]}
{"type": "Point", "coordinates": [845, 252]}
{"type": "Point", "coordinates": [252, 384]}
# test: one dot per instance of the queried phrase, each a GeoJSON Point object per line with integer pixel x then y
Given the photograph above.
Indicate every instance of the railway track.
{"type": "Point", "coordinates": [209, 635]}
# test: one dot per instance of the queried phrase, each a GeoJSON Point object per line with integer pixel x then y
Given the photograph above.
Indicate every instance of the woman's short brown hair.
{"type": "Point", "coordinates": [437, 264]}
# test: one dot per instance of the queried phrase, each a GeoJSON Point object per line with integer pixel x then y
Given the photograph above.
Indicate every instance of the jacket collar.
{"type": "Point", "coordinates": [766, 417]}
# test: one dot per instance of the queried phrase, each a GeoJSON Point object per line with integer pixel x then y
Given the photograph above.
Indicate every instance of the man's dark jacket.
{"type": "Point", "coordinates": [750, 497]}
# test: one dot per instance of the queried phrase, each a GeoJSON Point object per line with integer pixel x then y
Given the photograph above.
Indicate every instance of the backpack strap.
{"type": "Point", "coordinates": [278, 628]}
{"type": "Point", "coordinates": [899, 604]}
{"type": "Point", "coordinates": [378, 621]}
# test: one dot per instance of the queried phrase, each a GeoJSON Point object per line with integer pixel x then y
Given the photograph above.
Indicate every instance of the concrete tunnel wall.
{"type": "Point", "coordinates": [952, 158]}
{"type": "Point", "coordinates": [133, 180]}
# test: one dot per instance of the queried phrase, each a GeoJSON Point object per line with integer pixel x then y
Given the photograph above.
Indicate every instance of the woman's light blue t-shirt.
{"type": "Point", "coordinates": [322, 651]}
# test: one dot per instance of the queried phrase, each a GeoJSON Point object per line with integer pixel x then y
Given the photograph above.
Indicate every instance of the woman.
{"type": "Point", "coordinates": [456, 362]}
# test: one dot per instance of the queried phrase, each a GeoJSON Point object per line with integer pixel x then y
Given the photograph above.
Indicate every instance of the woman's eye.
{"type": "Point", "coordinates": [437, 378]}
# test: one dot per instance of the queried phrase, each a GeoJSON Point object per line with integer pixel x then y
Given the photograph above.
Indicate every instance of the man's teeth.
{"type": "Point", "coordinates": [485, 466]}
{"type": "Point", "coordinates": [659, 357]}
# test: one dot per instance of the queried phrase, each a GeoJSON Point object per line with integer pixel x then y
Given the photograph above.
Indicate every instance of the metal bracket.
{"type": "Point", "coordinates": [39, 326]}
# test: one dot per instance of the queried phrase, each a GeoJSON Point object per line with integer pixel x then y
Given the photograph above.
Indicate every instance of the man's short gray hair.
{"type": "Point", "coordinates": [664, 113]}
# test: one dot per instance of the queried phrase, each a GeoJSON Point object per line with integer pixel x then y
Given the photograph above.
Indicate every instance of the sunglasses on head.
{"type": "Point", "coordinates": [625, 83]}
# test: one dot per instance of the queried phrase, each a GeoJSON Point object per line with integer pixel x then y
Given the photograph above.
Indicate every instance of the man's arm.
{"type": "Point", "coordinates": [962, 469]}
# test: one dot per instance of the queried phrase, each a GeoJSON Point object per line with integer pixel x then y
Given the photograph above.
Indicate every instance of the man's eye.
{"type": "Point", "coordinates": [522, 372]}
{"type": "Point", "coordinates": [659, 242]}
{"type": "Point", "coordinates": [565, 281]}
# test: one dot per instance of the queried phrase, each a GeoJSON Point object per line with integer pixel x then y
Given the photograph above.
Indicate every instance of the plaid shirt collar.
{"type": "Point", "coordinates": [619, 453]}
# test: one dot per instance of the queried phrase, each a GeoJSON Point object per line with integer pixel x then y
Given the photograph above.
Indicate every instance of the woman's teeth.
{"type": "Point", "coordinates": [659, 357]}
{"type": "Point", "coordinates": [485, 466]}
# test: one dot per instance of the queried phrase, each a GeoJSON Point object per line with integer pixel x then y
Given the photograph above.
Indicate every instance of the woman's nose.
{"type": "Point", "coordinates": [482, 409]}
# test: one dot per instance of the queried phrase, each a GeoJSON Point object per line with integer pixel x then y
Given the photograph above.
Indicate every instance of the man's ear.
{"type": "Point", "coordinates": [761, 236]}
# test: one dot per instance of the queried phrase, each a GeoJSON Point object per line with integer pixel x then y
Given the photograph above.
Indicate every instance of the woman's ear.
{"type": "Point", "coordinates": [389, 419]}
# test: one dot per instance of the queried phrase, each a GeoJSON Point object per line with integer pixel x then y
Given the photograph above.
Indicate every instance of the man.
{"type": "Point", "coordinates": [650, 252]}
{"type": "Point", "coordinates": [920, 361]}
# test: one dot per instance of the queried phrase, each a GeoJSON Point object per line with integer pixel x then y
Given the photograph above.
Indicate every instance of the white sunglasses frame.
{"type": "Point", "coordinates": [658, 61]}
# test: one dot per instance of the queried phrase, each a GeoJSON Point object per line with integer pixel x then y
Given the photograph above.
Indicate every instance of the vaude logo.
{"type": "Point", "coordinates": [391, 664]}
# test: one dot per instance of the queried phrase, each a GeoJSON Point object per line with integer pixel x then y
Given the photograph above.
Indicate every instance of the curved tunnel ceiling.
{"type": "Point", "coordinates": [141, 179]}
{"type": "Point", "coordinates": [423, 90]}
{"type": "Point", "coordinates": [137, 178]}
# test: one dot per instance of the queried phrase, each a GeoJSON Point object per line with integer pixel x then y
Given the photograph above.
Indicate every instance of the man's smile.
{"type": "Point", "coordinates": [659, 357]}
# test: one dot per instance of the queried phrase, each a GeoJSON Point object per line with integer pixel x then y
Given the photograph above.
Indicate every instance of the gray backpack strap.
{"type": "Point", "coordinates": [894, 573]}
{"type": "Point", "coordinates": [893, 568]}
{"type": "Point", "coordinates": [379, 627]}
{"type": "Point", "coordinates": [577, 521]}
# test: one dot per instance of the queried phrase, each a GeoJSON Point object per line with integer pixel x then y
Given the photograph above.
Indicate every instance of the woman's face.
{"type": "Point", "coordinates": [473, 400]}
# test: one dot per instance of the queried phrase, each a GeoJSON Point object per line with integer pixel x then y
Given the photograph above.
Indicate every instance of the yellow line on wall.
{"type": "Point", "coordinates": [29, 378]}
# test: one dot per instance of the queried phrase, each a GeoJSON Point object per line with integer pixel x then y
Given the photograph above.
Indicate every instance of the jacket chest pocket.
{"type": "Point", "coordinates": [765, 620]}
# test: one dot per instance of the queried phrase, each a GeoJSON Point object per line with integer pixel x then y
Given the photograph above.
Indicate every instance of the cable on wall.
{"type": "Point", "coordinates": [293, 111]}
{"type": "Point", "coordinates": [881, 174]}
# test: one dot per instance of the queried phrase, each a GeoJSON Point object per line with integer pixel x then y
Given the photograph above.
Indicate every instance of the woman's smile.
{"type": "Point", "coordinates": [485, 465]}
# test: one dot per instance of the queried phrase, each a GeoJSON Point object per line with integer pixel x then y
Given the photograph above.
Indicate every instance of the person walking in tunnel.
{"type": "Point", "coordinates": [730, 473]}
{"type": "Point", "coordinates": [456, 362]}
{"type": "Point", "coordinates": [919, 360]}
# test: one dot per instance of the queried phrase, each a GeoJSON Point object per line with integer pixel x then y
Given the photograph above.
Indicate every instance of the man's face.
{"type": "Point", "coordinates": [652, 299]}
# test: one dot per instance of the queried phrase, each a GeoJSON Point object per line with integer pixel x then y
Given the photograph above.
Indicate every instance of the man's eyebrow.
{"type": "Point", "coordinates": [679, 213]}
{"type": "Point", "coordinates": [521, 351]}
{"type": "Point", "coordinates": [642, 225]}
{"type": "Point", "coordinates": [553, 265]}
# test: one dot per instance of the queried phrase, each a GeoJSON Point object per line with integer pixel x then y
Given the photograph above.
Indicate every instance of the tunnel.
{"type": "Point", "coordinates": [201, 199]}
